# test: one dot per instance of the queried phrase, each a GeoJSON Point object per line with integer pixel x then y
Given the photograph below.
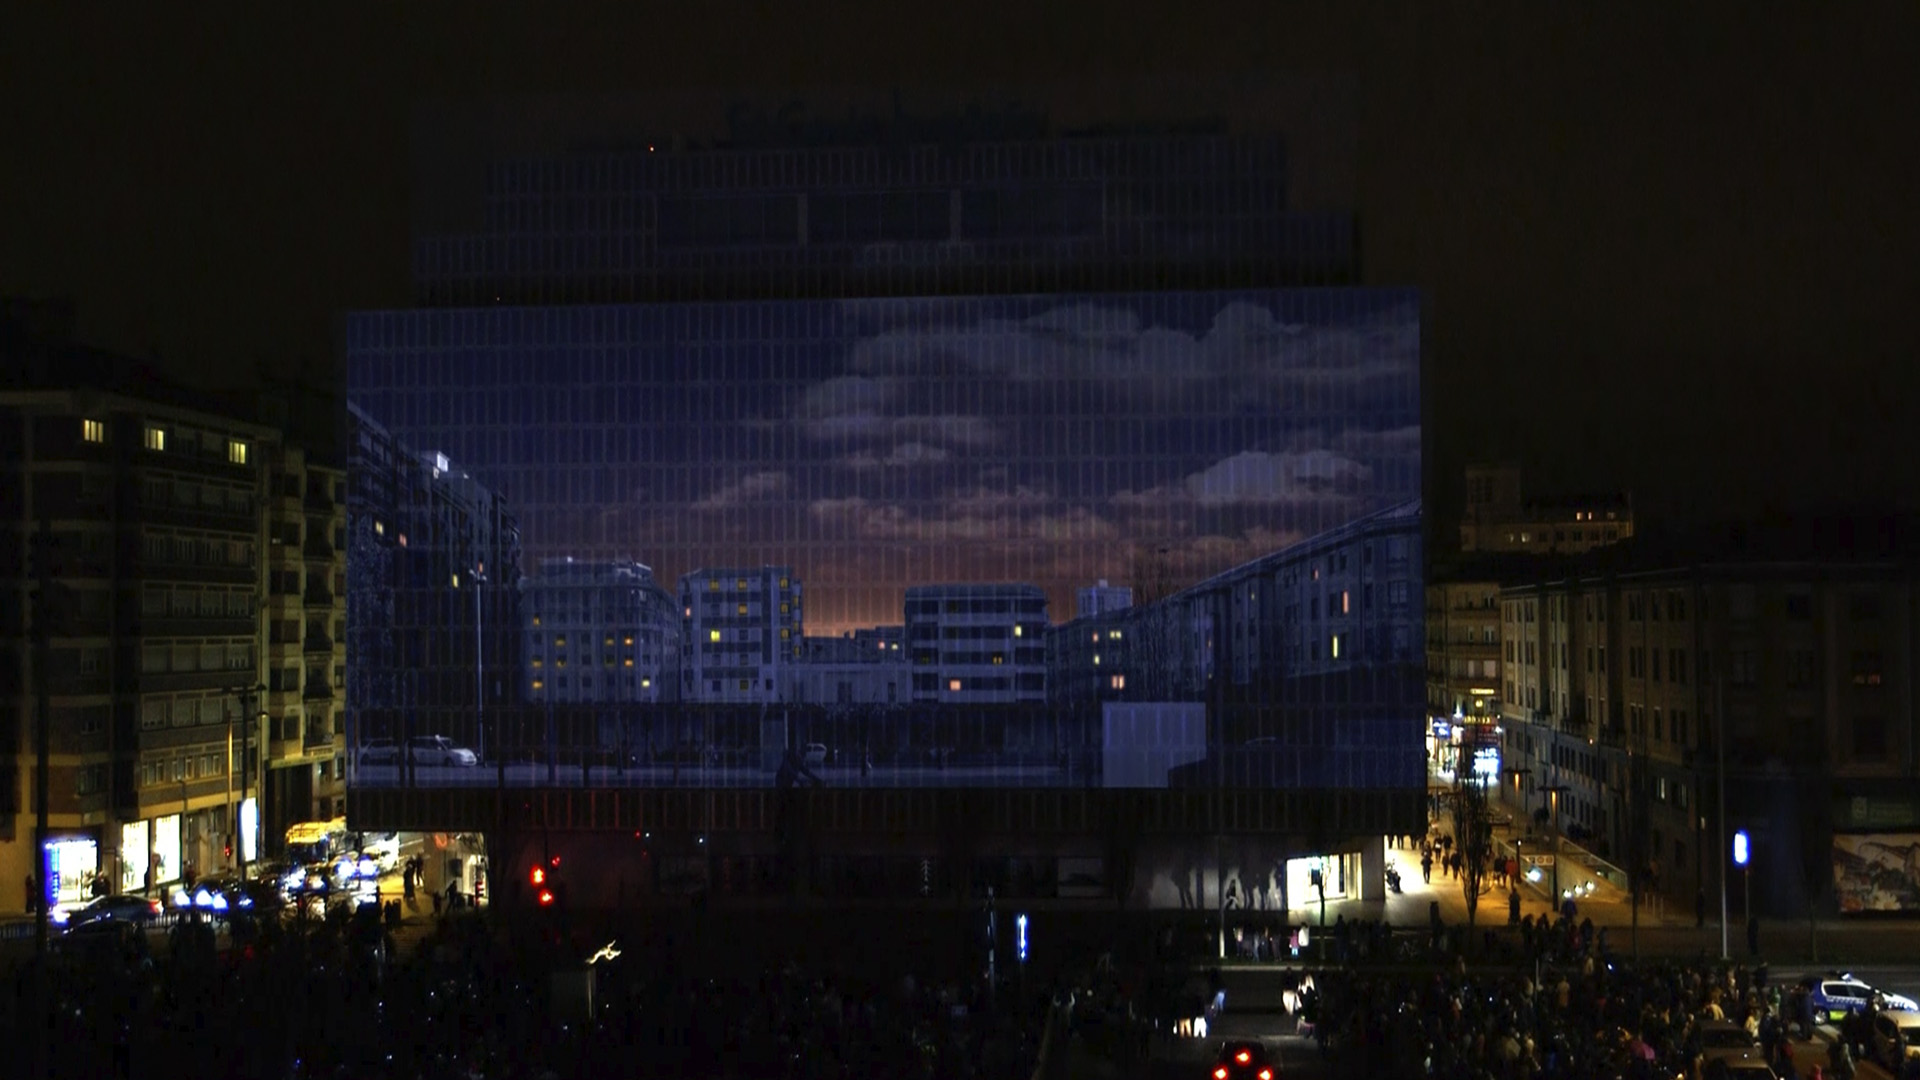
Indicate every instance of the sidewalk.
{"type": "Point", "coordinates": [1834, 942]}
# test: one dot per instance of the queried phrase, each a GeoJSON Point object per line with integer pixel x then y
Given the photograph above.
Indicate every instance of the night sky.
{"type": "Point", "coordinates": [1666, 250]}
{"type": "Point", "coordinates": [878, 444]}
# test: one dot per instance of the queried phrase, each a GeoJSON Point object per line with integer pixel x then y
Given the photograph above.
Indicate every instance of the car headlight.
{"type": "Point", "coordinates": [59, 916]}
{"type": "Point", "coordinates": [219, 902]}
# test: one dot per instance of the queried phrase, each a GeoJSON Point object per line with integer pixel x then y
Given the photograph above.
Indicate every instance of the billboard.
{"type": "Point", "coordinates": [1877, 872]}
{"type": "Point", "coordinates": [931, 481]}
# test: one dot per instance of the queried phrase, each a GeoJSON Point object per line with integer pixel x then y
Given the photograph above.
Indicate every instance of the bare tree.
{"type": "Point", "coordinates": [1473, 837]}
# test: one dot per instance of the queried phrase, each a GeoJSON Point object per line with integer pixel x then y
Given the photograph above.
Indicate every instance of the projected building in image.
{"type": "Point", "coordinates": [947, 389]}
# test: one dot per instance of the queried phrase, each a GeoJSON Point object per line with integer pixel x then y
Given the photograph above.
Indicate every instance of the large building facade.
{"type": "Point", "coordinates": [984, 357]}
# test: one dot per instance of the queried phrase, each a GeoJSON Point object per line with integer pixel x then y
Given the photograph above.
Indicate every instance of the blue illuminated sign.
{"type": "Point", "coordinates": [1020, 936]}
{"type": "Point", "coordinates": [1740, 848]}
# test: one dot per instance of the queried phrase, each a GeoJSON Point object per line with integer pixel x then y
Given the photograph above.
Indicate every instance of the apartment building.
{"type": "Point", "coordinates": [741, 629]}
{"type": "Point", "coordinates": [151, 501]}
{"type": "Point", "coordinates": [1640, 692]}
{"type": "Point", "coordinates": [976, 644]}
{"type": "Point", "coordinates": [599, 632]}
{"type": "Point", "coordinates": [1499, 518]}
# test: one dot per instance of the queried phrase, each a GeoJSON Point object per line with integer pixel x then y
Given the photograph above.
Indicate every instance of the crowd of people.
{"type": "Point", "coordinates": [1568, 1008]}
{"type": "Point", "coordinates": [336, 998]}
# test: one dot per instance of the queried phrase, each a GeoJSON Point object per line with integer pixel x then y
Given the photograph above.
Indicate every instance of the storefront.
{"type": "Point", "coordinates": [164, 849]}
{"type": "Point", "coordinates": [1339, 874]}
{"type": "Point", "coordinates": [72, 864]}
{"type": "Point", "coordinates": [134, 853]}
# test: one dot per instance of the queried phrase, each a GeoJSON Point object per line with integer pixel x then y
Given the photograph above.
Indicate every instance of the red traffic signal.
{"type": "Point", "coordinates": [537, 876]}
{"type": "Point", "coordinates": [545, 898]}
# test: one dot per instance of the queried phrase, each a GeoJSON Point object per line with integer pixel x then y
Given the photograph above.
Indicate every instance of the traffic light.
{"type": "Point", "coordinates": [537, 876]}
{"type": "Point", "coordinates": [544, 897]}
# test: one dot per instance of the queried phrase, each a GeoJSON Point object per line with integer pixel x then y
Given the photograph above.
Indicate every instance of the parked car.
{"type": "Point", "coordinates": [137, 910]}
{"type": "Point", "coordinates": [379, 752]}
{"type": "Point", "coordinates": [1724, 1040]}
{"type": "Point", "coordinates": [1888, 1047]}
{"type": "Point", "coordinates": [439, 750]}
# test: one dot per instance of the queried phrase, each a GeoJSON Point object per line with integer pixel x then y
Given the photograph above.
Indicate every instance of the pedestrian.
{"type": "Point", "coordinates": [1513, 906]}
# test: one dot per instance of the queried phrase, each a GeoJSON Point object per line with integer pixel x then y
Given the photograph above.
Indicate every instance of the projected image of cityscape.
{"type": "Point", "coordinates": [1119, 540]}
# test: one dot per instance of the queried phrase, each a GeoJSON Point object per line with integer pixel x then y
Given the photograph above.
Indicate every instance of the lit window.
{"type": "Point", "coordinates": [745, 683]}
{"type": "Point", "coordinates": [713, 584]}
{"type": "Point", "coordinates": [629, 661]}
{"type": "Point", "coordinates": [536, 620]}
{"type": "Point", "coordinates": [999, 658]}
{"type": "Point", "coordinates": [1096, 637]}
{"type": "Point", "coordinates": [629, 639]}
{"type": "Point", "coordinates": [539, 684]}
{"type": "Point", "coordinates": [713, 635]}
{"type": "Point", "coordinates": [1345, 602]}
{"type": "Point", "coordinates": [783, 583]}
{"type": "Point", "coordinates": [236, 452]}
{"type": "Point", "coordinates": [645, 683]}
{"type": "Point", "coordinates": [156, 438]}
{"type": "Point", "coordinates": [609, 640]}
{"type": "Point", "coordinates": [1118, 682]}
{"type": "Point", "coordinates": [1096, 659]}
{"type": "Point", "coordinates": [953, 685]}
{"type": "Point", "coordinates": [379, 528]}
{"type": "Point", "coordinates": [560, 661]}
{"type": "Point", "coordinates": [403, 539]}
{"type": "Point", "coordinates": [94, 431]}
{"type": "Point", "coordinates": [560, 640]}
{"type": "Point", "coordinates": [1336, 646]}
{"type": "Point", "coordinates": [539, 662]}
{"type": "Point", "coordinates": [785, 633]}
{"type": "Point", "coordinates": [786, 609]}
{"type": "Point", "coordinates": [742, 609]}
{"type": "Point", "coordinates": [1114, 635]}
{"type": "Point", "coordinates": [456, 581]}
{"type": "Point", "coordinates": [1019, 631]}
{"type": "Point", "coordinates": [740, 585]}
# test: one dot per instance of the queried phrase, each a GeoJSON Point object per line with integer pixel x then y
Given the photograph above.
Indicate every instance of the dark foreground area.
{"type": "Point", "coordinates": [707, 994]}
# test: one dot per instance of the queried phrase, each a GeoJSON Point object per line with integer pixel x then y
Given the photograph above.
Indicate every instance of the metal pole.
{"type": "Point", "coordinates": [42, 750]}
{"type": "Point", "coordinates": [1720, 785]}
{"type": "Point", "coordinates": [479, 671]}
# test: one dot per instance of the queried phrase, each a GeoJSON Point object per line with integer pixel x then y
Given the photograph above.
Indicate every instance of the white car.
{"type": "Point", "coordinates": [1887, 1027]}
{"type": "Point", "coordinates": [439, 750]}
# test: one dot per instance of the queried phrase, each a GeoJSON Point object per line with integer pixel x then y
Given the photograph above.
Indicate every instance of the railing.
{"type": "Point", "coordinates": [319, 597]}
{"type": "Point", "coordinates": [318, 690]}
{"type": "Point", "coordinates": [319, 643]}
{"type": "Point", "coordinates": [318, 549]}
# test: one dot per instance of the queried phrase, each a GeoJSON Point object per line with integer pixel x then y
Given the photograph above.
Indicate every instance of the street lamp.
{"type": "Point", "coordinates": [479, 668]}
{"type": "Point", "coordinates": [1742, 858]}
{"type": "Point", "coordinates": [236, 810]}
{"type": "Point", "coordinates": [1553, 815]}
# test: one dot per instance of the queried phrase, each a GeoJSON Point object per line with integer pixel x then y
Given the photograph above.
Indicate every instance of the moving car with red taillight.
{"type": "Point", "coordinates": [1244, 1060]}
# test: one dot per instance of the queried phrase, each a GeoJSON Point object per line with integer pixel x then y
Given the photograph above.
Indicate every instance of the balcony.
{"type": "Point", "coordinates": [318, 597]}
{"type": "Point", "coordinates": [319, 501]}
{"type": "Point", "coordinates": [318, 690]}
{"type": "Point", "coordinates": [319, 737]}
{"type": "Point", "coordinates": [319, 643]}
{"type": "Point", "coordinates": [318, 547]}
